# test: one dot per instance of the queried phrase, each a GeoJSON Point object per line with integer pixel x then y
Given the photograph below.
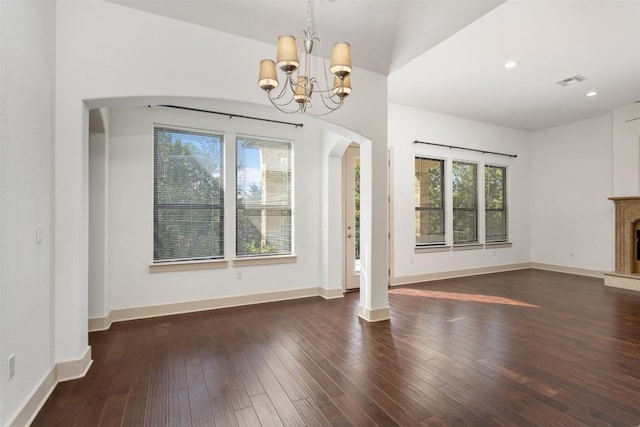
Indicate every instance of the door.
{"type": "Point", "coordinates": [352, 216]}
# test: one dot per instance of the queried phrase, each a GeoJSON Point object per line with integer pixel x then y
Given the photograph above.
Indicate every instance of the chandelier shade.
{"type": "Point", "coordinates": [341, 59]}
{"type": "Point", "coordinates": [342, 87]}
{"type": "Point", "coordinates": [287, 56]}
{"type": "Point", "coordinates": [268, 79]}
{"type": "Point", "coordinates": [301, 86]}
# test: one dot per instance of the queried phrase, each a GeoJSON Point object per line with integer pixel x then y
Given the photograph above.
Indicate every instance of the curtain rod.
{"type": "Point", "coordinates": [231, 115]}
{"type": "Point", "coordinates": [465, 148]}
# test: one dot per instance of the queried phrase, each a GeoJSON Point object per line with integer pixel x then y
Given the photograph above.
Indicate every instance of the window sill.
{"type": "Point", "coordinates": [188, 265]}
{"type": "Point", "coordinates": [467, 246]}
{"type": "Point", "coordinates": [429, 249]}
{"type": "Point", "coordinates": [495, 245]}
{"type": "Point", "coordinates": [265, 260]}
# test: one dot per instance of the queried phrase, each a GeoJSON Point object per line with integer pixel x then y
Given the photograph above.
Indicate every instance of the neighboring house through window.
{"type": "Point", "coordinates": [263, 197]}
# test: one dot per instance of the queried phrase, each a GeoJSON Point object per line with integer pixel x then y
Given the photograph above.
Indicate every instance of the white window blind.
{"type": "Point", "coordinates": [263, 199]}
{"type": "Point", "coordinates": [188, 209]}
{"type": "Point", "coordinates": [496, 224]}
{"type": "Point", "coordinates": [465, 202]}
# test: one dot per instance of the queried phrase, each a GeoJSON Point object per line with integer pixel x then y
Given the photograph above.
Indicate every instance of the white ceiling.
{"type": "Point", "coordinates": [448, 55]}
{"type": "Point", "coordinates": [552, 40]}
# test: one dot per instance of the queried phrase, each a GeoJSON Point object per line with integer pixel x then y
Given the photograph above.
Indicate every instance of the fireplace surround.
{"type": "Point", "coordinates": [627, 222]}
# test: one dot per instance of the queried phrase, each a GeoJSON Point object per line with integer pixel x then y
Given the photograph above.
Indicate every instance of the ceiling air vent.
{"type": "Point", "coordinates": [571, 80]}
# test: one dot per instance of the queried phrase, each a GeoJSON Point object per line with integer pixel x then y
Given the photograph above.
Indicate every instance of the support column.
{"type": "Point", "coordinates": [71, 160]}
{"type": "Point", "coordinates": [374, 273]}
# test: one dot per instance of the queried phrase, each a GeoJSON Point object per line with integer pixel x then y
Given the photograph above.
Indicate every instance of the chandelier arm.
{"type": "Point", "coordinates": [283, 104]}
{"type": "Point", "coordinates": [281, 108]}
{"type": "Point", "coordinates": [274, 100]}
{"type": "Point", "coordinates": [281, 92]}
{"type": "Point", "coordinates": [336, 104]}
{"type": "Point", "coordinates": [329, 111]}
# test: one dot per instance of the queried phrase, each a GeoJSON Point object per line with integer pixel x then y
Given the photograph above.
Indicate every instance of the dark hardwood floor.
{"type": "Point", "coordinates": [525, 348]}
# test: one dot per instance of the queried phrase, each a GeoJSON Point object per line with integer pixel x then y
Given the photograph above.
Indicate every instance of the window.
{"type": "Point", "coordinates": [429, 201]}
{"type": "Point", "coordinates": [188, 196]}
{"type": "Point", "coordinates": [263, 206]}
{"type": "Point", "coordinates": [495, 184]}
{"type": "Point", "coordinates": [465, 202]}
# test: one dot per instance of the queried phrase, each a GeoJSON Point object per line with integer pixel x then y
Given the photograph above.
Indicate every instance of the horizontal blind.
{"type": "Point", "coordinates": [465, 202]}
{"type": "Point", "coordinates": [188, 195]}
{"type": "Point", "coordinates": [429, 201]}
{"type": "Point", "coordinates": [263, 204]}
{"type": "Point", "coordinates": [496, 223]}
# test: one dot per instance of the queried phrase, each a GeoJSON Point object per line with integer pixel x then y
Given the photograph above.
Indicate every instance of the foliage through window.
{"type": "Point", "coordinates": [465, 202]}
{"type": "Point", "coordinates": [188, 208]}
{"type": "Point", "coordinates": [495, 180]}
{"type": "Point", "coordinates": [429, 201]}
{"type": "Point", "coordinates": [263, 200]}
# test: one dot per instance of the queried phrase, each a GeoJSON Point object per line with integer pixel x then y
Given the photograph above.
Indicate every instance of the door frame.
{"type": "Point", "coordinates": [350, 270]}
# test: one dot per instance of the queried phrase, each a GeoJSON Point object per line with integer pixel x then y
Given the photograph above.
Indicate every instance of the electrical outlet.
{"type": "Point", "coordinates": [12, 366]}
{"type": "Point", "coordinates": [238, 274]}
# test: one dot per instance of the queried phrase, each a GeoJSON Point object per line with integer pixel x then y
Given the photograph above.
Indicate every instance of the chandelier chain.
{"type": "Point", "coordinates": [309, 17]}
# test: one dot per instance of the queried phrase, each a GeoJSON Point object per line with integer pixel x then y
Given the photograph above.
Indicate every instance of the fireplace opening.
{"type": "Point", "coordinates": [637, 244]}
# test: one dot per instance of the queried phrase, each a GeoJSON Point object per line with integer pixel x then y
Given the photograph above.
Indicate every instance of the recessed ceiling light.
{"type": "Point", "coordinates": [510, 64]}
{"type": "Point", "coordinates": [592, 93]}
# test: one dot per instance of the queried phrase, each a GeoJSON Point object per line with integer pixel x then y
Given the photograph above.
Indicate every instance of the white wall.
{"type": "Point", "coordinates": [572, 221]}
{"type": "Point", "coordinates": [130, 205]}
{"type": "Point", "coordinates": [409, 124]}
{"type": "Point", "coordinates": [27, 55]}
{"type": "Point", "coordinates": [143, 55]}
{"type": "Point", "coordinates": [626, 151]}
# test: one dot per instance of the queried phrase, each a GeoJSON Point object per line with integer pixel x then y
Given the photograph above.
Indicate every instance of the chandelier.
{"type": "Point", "coordinates": [300, 85]}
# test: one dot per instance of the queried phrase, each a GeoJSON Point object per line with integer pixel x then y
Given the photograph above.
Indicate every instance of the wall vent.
{"type": "Point", "coordinates": [571, 80]}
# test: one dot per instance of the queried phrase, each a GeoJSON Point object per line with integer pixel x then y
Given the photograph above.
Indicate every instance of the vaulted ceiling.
{"type": "Point", "coordinates": [448, 56]}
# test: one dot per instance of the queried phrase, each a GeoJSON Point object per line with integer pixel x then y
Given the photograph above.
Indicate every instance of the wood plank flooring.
{"type": "Point", "coordinates": [525, 348]}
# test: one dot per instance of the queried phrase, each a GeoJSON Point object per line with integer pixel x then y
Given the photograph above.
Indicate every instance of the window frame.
{"type": "Point", "coordinates": [266, 257]}
{"type": "Point", "coordinates": [474, 209]}
{"type": "Point", "coordinates": [197, 261]}
{"type": "Point", "coordinates": [441, 209]}
{"type": "Point", "coordinates": [504, 209]}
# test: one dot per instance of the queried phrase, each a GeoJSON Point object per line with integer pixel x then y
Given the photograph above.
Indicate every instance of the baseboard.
{"type": "Point", "coordinates": [100, 323]}
{"type": "Point", "coordinates": [103, 323]}
{"type": "Point", "coordinates": [407, 280]}
{"type": "Point", "coordinates": [331, 293]}
{"type": "Point", "coordinates": [63, 371]}
{"type": "Point", "coordinates": [570, 270]}
{"type": "Point", "coordinates": [375, 315]}
{"type": "Point", "coordinates": [622, 281]}
{"type": "Point", "coordinates": [74, 369]}
{"type": "Point", "coordinates": [28, 411]}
